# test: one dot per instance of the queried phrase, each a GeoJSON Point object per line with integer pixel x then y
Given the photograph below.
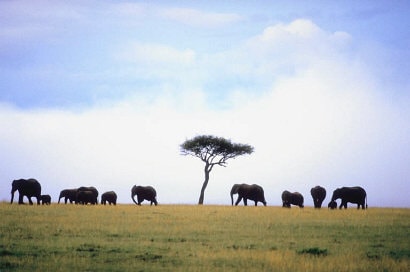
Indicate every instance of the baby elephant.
{"type": "Point", "coordinates": [332, 205]}
{"type": "Point", "coordinates": [110, 197]}
{"type": "Point", "coordinates": [45, 199]}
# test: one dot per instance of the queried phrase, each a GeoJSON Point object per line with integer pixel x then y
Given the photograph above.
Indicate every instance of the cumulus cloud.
{"type": "Point", "coordinates": [326, 122]}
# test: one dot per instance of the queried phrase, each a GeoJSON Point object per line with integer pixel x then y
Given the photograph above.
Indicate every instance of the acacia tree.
{"type": "Point", "coordinates": [213, 151]}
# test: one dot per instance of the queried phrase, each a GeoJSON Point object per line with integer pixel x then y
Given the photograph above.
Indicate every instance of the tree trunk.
{"type": "Point", "coordinates": [201, 197]}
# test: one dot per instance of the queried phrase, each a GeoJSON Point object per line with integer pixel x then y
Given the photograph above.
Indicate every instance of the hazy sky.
{"type": "Point", "coordinates": [104, 92]}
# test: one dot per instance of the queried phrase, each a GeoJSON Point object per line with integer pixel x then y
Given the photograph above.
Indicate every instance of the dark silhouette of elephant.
{"type": "Point", "coordinates": [85, 197]}
{"type": "Point", "coordinates": [68, 194]}
{"type": "Point", "coordinates": [26, 187]}
{"type": "Point", "coordinates": [318, 194]}
{"type": "Point", "coordinates": [332, 205]}
{"type": "Point", "coordinates": [144, 193]}
{"type": "Point", "coordinates": [110, 197]}
{"type": "Point", "coordinates": [356, 195]}
{"type": "Point", "coordinates": [289, 198]}
{"type": "Point", "coordinates": [45, 199]}
{"type": "Point", "coordinates": [245, 191]}
{"type": "Point", "coordinates": [91, 189]}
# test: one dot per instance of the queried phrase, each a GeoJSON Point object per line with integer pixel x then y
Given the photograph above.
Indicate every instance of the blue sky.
{"type": "Point", "coordinates": [103, 93]}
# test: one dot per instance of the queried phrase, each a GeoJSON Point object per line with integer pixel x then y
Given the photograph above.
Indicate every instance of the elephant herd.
{"type": "Point", "coordinates": [88, 195]}
{"type": "Point", "coordinates": [356, 195]}
{"type": "Point", "coordinates": [82, 195]}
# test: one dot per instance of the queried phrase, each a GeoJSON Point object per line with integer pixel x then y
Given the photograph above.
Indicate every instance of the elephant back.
{"type": "Point", "coordinates": [91, 188]}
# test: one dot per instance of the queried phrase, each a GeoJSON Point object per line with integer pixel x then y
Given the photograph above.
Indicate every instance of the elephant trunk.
{"type": "Point", "coordinates": [132, 196]}
{"type": "Point", "coordinates": [232, 198]}
{"type": "Point", "coordinates": [12, 195]}
{"type": "Point", "coordinates": [13, 190]}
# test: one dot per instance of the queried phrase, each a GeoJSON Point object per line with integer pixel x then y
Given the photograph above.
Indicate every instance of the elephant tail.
{"type": "Point", "coordinates": [366, 202]}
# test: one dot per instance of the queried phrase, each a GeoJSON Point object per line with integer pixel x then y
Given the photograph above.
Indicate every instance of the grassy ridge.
{"type": "Point", "coordinates": [202, 238]}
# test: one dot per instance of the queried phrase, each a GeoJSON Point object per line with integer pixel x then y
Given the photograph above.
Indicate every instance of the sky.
{"type": "Point", "coordinates": [103, 93]}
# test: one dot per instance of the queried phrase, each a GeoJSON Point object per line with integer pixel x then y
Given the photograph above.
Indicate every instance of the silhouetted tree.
{"type": "Point", "coordinates": [213, 151]}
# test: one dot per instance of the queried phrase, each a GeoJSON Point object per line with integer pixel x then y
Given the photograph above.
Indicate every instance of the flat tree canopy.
{"type": "Point", "coordinates": [213, 151]}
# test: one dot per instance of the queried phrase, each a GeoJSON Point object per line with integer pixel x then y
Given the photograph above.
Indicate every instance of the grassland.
{"type": "Point", "coordinates": [202, 238]}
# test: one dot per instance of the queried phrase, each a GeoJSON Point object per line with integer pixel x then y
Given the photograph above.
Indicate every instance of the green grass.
{"type": "Point", "coordinates": [202, 238]}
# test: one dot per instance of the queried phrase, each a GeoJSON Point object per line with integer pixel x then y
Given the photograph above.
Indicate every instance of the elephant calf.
{"type": "Point", "coordinates": [110, 197]}
{"type": "Point", "coordinates": [332, 205]}
{"type": "Point", "coordinates": [289, 198]}
{"type": "Point", "coordinates": [45, 199]}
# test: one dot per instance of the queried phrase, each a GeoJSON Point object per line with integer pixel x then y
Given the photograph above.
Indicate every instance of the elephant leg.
{"type": "Point", "coordinates": [256, 203]}
{"type": "Point", "coordinates": [30, 201]}
{"type": "Point", "coordinates": [245, 201]}
{"type": "Point", "coordinates": [21, 199]}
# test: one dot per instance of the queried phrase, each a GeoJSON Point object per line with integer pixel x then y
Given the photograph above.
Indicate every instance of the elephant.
{"type": "Point", "coordinates": [68, 194]}
{"type": "Point", "coordinates": [318, 194]}
{"type": "Point", "coordinates": [26, 187]}
{"type": "Point", "coordinates": [289, 198]}
{"type": "Point", "coordinates": [45, 199]}
{"type": "Point", "coordinates": [110, 197]}
{"type": "Point", "coordinates": [144, 193]}
{"type": "Point", "coordinates": [85, 197]}
{"type": "Point", "coordinates": [245, 191]}
{"type": "Point", "coordinates": [91, 188]}
{"type": "Point", "coordinates": [355, 195]}
{"type": "Point", "coordinates": [332, 205]}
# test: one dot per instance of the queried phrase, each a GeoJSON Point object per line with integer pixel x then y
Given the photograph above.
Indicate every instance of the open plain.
{"type": "Point", "coordinates": [202, 238]}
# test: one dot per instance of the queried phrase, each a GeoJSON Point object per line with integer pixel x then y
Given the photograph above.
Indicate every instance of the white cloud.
{"type": "Point", "coordinates": [300, 28]}
{"type": "Point", "coordinates": [307, 130]}
{"type": "Point", "coordinates": [325, 123]}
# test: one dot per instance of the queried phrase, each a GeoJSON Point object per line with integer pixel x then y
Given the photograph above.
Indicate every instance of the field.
{"type": "Point", "coordinates": [202, 238]}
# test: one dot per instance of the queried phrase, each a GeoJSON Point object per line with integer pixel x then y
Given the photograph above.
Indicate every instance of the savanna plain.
{"type": "Point", "coordinates": [202, 238]}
